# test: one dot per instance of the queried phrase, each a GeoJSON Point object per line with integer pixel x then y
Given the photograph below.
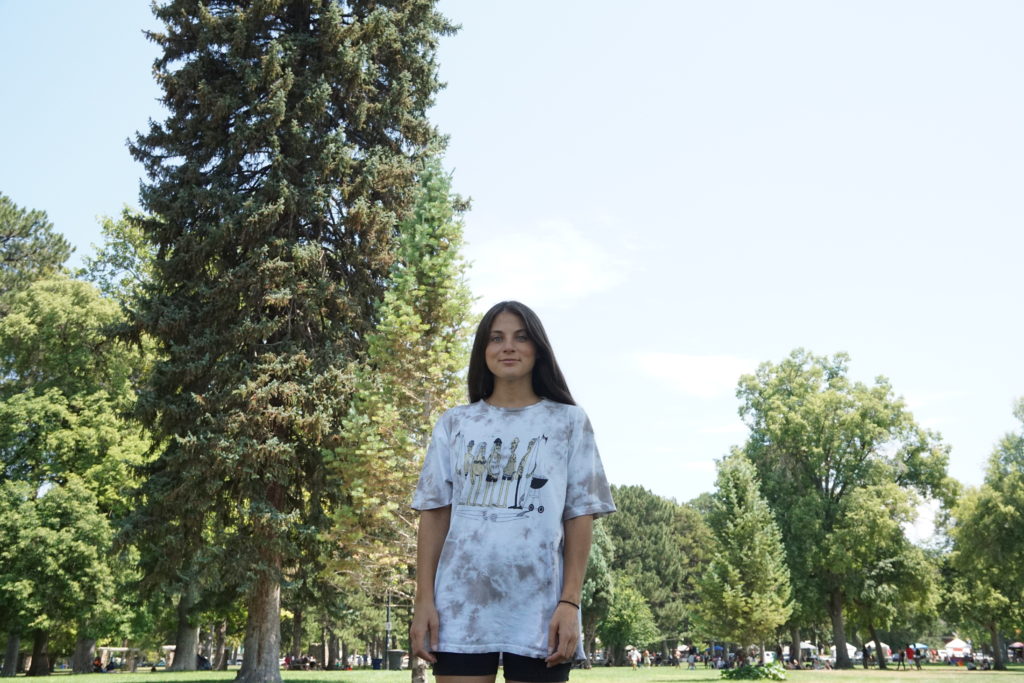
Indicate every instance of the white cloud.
{"type": "Point", "coordinates": [551, 264]}
{"type": "Point", "coordinates": [700, 376]}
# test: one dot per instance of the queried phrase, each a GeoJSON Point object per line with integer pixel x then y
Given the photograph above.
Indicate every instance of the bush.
{"type": "Point", "coordinates": [773, 672]}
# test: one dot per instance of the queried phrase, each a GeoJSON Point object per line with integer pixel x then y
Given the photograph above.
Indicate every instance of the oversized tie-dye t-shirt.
{"type": "Point", "coordinates": [512, 476]}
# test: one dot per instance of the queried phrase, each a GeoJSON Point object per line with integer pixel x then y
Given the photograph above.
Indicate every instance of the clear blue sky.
{"type": "Point", "coordinates": [681, 189]}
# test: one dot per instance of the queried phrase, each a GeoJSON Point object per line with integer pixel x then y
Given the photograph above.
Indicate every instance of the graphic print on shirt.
{"type": "Point", "coordinates": [496, 482]}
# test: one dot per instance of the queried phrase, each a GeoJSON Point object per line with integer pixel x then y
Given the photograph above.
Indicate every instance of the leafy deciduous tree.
{"type": "Point", "coordinates": [53, 562]}
{"type": "Point", "coordinates": [815, 438]}
{"type": "Point", "coordinates": [988, 545]}
{"type": "Point", "coordinates": [890, 581]}
{"type": "Point", "coordinates": [629, 620]}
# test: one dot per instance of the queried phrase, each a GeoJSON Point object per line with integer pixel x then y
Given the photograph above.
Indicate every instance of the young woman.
{"type": "Point", "coordinates": [509, 490]}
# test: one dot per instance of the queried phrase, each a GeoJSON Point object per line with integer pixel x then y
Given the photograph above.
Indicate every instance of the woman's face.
{"type": "Point", "coordinates": [510, 353]}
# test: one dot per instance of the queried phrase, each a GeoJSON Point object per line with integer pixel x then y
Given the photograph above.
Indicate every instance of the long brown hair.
{"type": "Point", "coordinates": [548, 381]}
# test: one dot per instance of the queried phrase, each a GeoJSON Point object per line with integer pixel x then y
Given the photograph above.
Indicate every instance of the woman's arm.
{"type": "Point", "coordinates": [433, 529]}
{"type": "Point", "coordinates": [564, 630]}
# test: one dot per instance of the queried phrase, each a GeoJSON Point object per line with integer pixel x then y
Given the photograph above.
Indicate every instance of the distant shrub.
{"type": "Point", "coordinates": [772, 672]}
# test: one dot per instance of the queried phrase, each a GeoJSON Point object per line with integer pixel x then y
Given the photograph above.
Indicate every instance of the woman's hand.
{"type": "Point", "coordinates": [424, 629]}
{"type": "Point", "coordinates": [563, 635]}
{"type": "Point", "coordinates": [433, 528]}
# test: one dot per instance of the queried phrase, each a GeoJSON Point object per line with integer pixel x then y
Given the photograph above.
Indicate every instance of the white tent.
{"type": "Point", "coordinates": [958, 648]}
{"type": "Point", "coordinates": [851, 650]}
{"type": "Point", "coordinates": [805, 646]}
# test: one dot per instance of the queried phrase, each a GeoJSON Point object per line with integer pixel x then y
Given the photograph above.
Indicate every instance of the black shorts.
{"type": "Point", "coordinates": [516, 667]}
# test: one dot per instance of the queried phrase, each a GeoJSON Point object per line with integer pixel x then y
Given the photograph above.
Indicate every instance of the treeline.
{"type": "Point", "coordinates": [805, 535]}
{"type": "Point", "coordinates": [100, 542]}
{"type": "Point", "coordinates": [217, 420]}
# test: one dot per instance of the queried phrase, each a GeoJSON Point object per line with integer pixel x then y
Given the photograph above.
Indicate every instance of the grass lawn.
{"type": "Point", "coordinates": [930, 674]}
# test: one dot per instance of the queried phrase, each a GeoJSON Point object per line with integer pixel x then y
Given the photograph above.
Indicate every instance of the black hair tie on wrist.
{"type": "Point", "coordinates": [569, 603]}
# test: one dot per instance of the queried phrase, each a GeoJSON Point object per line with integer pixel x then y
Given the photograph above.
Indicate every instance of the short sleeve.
{"type": "Point", "coordinates": [587, 491]}
{"type": "Point", "coordinates": [434, 489]}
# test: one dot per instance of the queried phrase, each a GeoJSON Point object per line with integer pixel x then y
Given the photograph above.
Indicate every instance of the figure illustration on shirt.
{"type": "Point", "coordinates": [466, 461]}
{"type": "Point", "coordinates": [508, 473]}
{"type": "Point", "coordinates": [487, 478]}
{"type": "Point", "coordinates": [522, 468]}
{"type": "Point", "coordinates": [476, 474]}
{"type": "Point", "coordinates": [531, 498]}
{"type": "Point", "coordinates": [493, 473]}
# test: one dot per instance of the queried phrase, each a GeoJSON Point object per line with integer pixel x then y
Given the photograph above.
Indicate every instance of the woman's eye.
{"type": "Point", "coordinates": [522, 338]}
{"type": "Point", "coordinates": [496, 338]}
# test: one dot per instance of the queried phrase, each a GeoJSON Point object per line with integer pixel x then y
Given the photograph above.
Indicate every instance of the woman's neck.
{"type": "Point", "coordinates": [512, 394]}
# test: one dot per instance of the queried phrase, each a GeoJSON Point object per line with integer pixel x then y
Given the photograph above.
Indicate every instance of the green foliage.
{"type": "Point", "coordinates": [66, 390]}
{"type": "Point", "coordinates": [29, 247]}
{"type": "Point", "coordinates": [598, 585]}
{"type": "Point", "coordinates": [53, 568]}
{"type": "Point", "coordinates": [663, 546]}
{"type": "Point", "coordinates": [410, 374]}
{"type": "Point", "coordinates": [816, 437]}
{"type": "Point", "coordinates": [987, 560]}
{"type": "Point", "coordinates": [745, 586]}
{"type": "Point", "coordinates": [290, 157]}
{"type": "Point", "coordinates": [748, 672]}
{"type": "Point", "coordinates": [890, 581]}
{"type": "Point", "coordinates": [629, 620]}
{"type": "Point", "coordinates": [123, 264]}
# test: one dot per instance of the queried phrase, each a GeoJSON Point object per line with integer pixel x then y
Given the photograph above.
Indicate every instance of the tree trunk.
{"type": "Point", "coordinates": [999, 654]}
{"type": "Point", "coordinates": [332, 650]}
{"type": "Point", "coordinates": [835, 611]}
{"type": "Point", "coordinates": [419, 670]}
{"type": "Point", "coordinates": [345, 654]}
{"type": "Point", "coordinates": [187, 640]}
{"type": "Point", "coordinates": [220, 658]}
{"type": "Point", "coordinates": [263, 629]}
{"type": "Point", "coordinates": [296, 648]}
{"type": "Point", "coordinates": [131, 657]}
{"type": "Point", "coordinates": [40, 654]}
{"type": "Point", "coordinates": [794, 644]}
{"type": "Point", "coordinates": [85, 652]}
{"type": "Point", "coordinates": [879, 654]}
{"type": "Point", "coordinates": [11, 655]}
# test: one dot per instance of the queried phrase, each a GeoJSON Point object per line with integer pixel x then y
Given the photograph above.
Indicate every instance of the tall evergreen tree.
{"type": "Point", "coordinates": [746, 584]}
{"type": "Point", "coordinates": [410, 374]}
{"type": "Point", "coordinates": [289, 157]}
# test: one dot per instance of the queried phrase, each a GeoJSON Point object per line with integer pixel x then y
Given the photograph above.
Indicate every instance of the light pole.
{"type": "Point", "coordinates": [387, 630]}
